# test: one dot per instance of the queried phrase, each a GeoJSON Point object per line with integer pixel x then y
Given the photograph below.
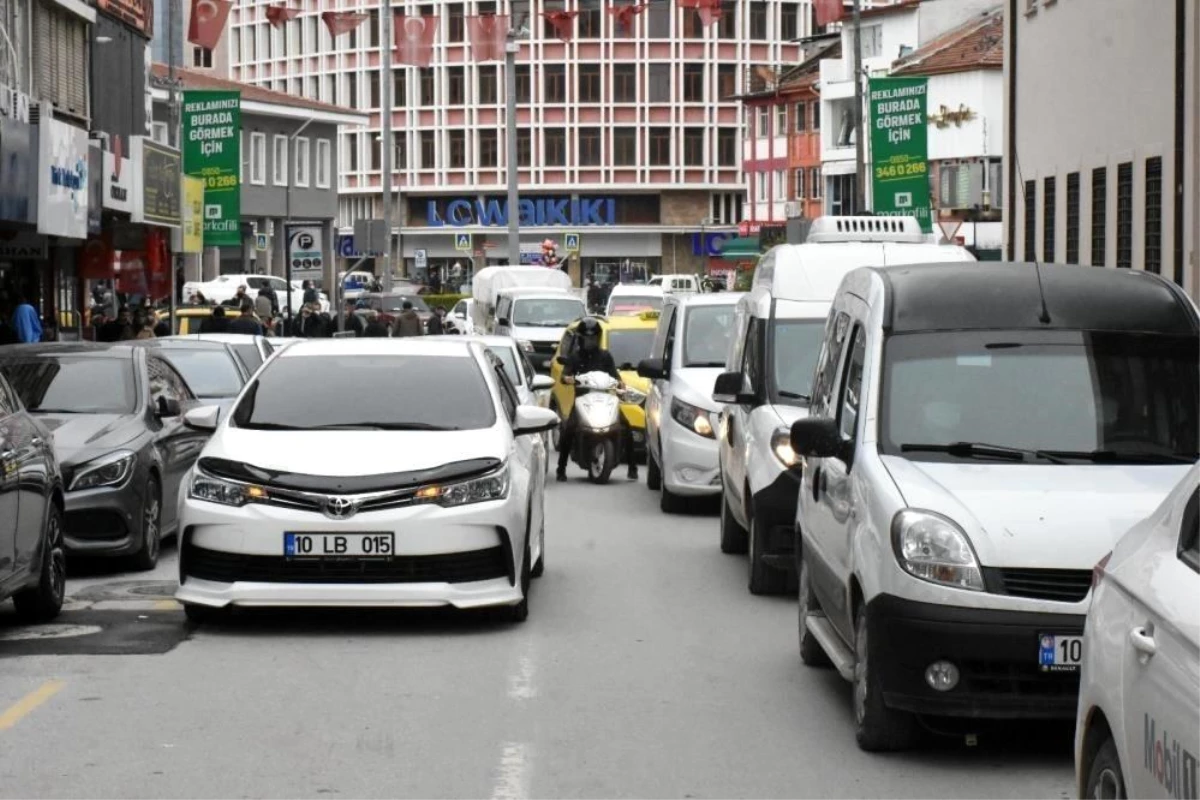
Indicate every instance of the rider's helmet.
{"type": "Point", "coordinates": [589, 331]}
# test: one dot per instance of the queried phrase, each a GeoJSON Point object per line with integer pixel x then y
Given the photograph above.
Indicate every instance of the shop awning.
{"type": "Point", "coordinates": [741, 247]}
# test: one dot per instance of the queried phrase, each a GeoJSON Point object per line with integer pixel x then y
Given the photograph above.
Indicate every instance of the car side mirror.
{"type": "Point", "coordinates": [652, 368]}
{"type": "Point", "coordinates": [541, 382]}
{"type": "Point", "coordinates": [534, 419]}
{"type": "Point", "coordinates": [818, 437]}
{"type": "Point", "coordinates": [204, 418]}
{"type": "Point", "coordinates": [167, 407]}
{"type": "Point", "coordinates": [730, 389]}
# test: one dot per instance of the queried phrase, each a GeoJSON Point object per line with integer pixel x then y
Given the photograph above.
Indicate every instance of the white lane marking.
{"type": "Point", "coordinates": [520, 682]}
{"type": "Point", "coordinates": [512, 774]}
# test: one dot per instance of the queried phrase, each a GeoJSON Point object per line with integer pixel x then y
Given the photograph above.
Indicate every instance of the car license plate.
{"type": "Point", "coordinates": [339, 545]}
{"type": "Point", "coordinates": [1059, 653]}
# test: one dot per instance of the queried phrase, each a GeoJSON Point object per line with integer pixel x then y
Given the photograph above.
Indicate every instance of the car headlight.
{"type": "Point", "coordinates": [227, 493]}
{"type": "Point", "coordinates": [693, 418]}
{"type": "Point", "coordinates": [932, 548]}
{"type": "Point", "coordinates": [632, 396]}
{"type": "Point", "coordinates": [109, 470]}
{"type": "Point", "coordinates": [526, 345]}
{"type": "Point", "coordinates": [493, 486]}
{"type": "Point", "coordinates": [781, 446]}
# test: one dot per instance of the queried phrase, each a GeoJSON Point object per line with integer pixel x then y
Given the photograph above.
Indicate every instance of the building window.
{"type": "Point", "coordinates": [489, 148]}
{"type": "Point", "coordinates": [693, 83]}
{"type": "Point", "coordinates": [554, 83]}
{"type": "Point", "coordinates": [763, 122]}
{"type": "Point", "coordinates": [60, 58]}
{"type": "Point", "coordinates": [789, 21]}
{"type": "Point", "coordinates": [353, 146]}
{"type": "Point", "coordinates": [1154, 215]}
{"type": "Point", "coordinates": [590, 19]}
{"type": "Point", "coordinates": [373, 87]}
{"type": "Point", "coordinates": [660, 82]}
{"type": "Point", "coordinates": [726, 81]}
{"type": "Point", "coordinates": [816, 114]}
{"type": "Point", "coordinates": [727, 143]}
{"type": "Point", "coordinates": [659, 23]}
{"type": "Point", "coordinates": [1125, 215]}
{"type": "Point", "coordinates": [625, 83]}
{"type": "Point", "coordinates": [201, 58]}
{"type": "Point", "coordinates": [589, 83]}
{"type": "Point", "coordinates": [258, 158]}
{"type": "Point", "coordinates": [760, 181]}
{"type": "Point", "coordinates": [302, 161]}
{"type": "Point", "coordinates": [727, 23]}
{"type": "Point", "coordinates": [456, 89]}
{"type": "Point", "coordinates": [780, 180]}
{"type": "Point", "coordinates": [799, 180]}
{"type": "Point", "coordinates": [428, 150]}
{"type": "Point", "coordinates": [158, 132]}
{"type": "Point", "coordinates": [1073, 218]}
{"type": "Point", "coordinates": [524, 83]}
{"type": "Point", "coordinates": [1049, 212]}
{"type": "Point", "coordinates": [456, 27]}
{"type": "Point", "coordinates": [781, 124]}
{"type": "Point", "coordinates": [400, 151]}
{"type": "Point", "coordinates": [872, 41]}
{"type": "Point", "coordinates": [427, 86]}
{"type": "Point", "coordinates": [524, 147]}
{"type": "Point", "coordinates": [660, 147]}
{"type": "Point", "coordinates": [693, 147]}
{"type": "Point", "coordinates": [815, 183]}
{"type": "Point", "coordinates": [589, 147]}
{"type": "Point", "coordinates": [693, 28]}
{"type": "Point", "coordinates": [489, 88]}
{"type": "Point", "coordinates": [324, 163]}
{"type": "Point", "coordinates": [555, 154]}
{"type": "Point", "coordinates": [800, 112]}
{"type": "Point", "coordinates": [400, 89]}
{"type": "Point", "coordinates": [758, 19]}
{"type": "Point", "coordinates": [351, 97]}
{"type": "Point", "coordinates": [376, 153]}
{"type": "Point", "coordinates": [458, 149]}
{"type": "Point", "coordinates": [1031, 220]}
{"type": "Point", "coordinates": [1099, 216]}
{"type": "Point", "coordinates": [624, 147]}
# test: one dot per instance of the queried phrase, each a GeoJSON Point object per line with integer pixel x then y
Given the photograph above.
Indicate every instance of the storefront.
{"type": "Point", "coordinates": [64, 192]}
{"type": "Point", "coordinates": [23, 251]}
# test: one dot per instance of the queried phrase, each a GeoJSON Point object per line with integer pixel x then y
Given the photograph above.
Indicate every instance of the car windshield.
{"type": "Point", "coordinates": [630, 346]}
{"type": "Point", "coordinates": [209, 373]}
{"type": "Point", "coordinates": [552, 313]}
{"type": "Point", "coordinates": [73, 384]}
{"type": "Point", "coordinates": [1112, 396]}
{"type": "Point", "coordinates": [706, 333]}
{"type": "Point", "coordinates": [396, 392]}
{"type": "Point", "coordinates": [795, 347]}
{"type": "Point", "coordinates": [505, 354]}
{"type": "Point", "coordinates": [631, 305]}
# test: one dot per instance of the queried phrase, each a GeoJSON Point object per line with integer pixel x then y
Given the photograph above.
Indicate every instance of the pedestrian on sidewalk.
{"type": "Point", "coordinates": [26, 322]}
{"type": "Point", "coordinates": [408, 323]}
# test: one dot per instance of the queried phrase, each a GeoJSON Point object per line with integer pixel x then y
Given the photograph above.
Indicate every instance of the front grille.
{"type": "Point", "coordinates": [1059, 585]}
{"type": "Point", "coordinates": [1022, 680]}
{"type": "Point", "coordinates": [473, 565]}
{"type": "Point", "coordinates": [96, 525]}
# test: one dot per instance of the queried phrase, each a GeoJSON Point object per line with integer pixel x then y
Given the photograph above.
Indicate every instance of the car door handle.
{"type": "Point", "coordinates": [1143, 642]}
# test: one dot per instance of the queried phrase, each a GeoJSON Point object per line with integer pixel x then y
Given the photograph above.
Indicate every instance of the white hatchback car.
{"type": "Point", "coordinates": [1136, 733]}
{"type": "Point", "coordinates": [367, 472]}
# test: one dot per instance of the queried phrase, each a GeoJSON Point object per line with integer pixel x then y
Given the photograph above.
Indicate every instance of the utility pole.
{"type": "Point", "coordinates": [861, 176]}
{"type": "Point", "coordinates": [511, 47]}
{"type": "Point", "coordinates": [175, 138]}
{"type": "Point", "coordinates": [385, 32]}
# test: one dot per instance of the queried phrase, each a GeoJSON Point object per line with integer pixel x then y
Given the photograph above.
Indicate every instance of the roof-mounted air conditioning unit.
{"type": "Point", "coordinates": [866, 229]}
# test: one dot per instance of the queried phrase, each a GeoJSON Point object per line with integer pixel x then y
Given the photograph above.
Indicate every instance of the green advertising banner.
{"type": "Point", "coordinates": [212, 134]}
{"type": "Point", "coordinates": [899, 148]}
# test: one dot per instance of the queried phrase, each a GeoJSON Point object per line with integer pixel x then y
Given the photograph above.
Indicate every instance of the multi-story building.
{"type": "Point", "coordinates": [1103, 125]}
{"type": "Point", "coordinates": [631, 140]}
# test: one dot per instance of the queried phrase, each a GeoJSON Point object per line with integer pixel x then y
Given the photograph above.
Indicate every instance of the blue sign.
{"type": "Point", "coordinates": [571, 243]}
{"type": "Point", "coordinates": [712, 243]}
{"type": "Point", "coordinates": [346, 248]}
{"type": "Point", "coordinates": [462, 241]}
{"type": "Point", "coordinates": [542, 212]}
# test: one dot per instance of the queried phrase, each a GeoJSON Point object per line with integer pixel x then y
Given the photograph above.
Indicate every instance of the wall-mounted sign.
{"type": "Point", "coordinates": [193, 214]}
{"type": "Point", "coordinates": [137, 14]}
{"type": "Point", "coordinates": [539, 212]}
{"type": "Point", "coordinates": [212, 126]}
{"type": "Point", "coordinates": [62, 180]}
{"type": "Point", "coordinates": [118, 178]}
{"type": "Point", "coordinates": [157, 182]}
{"type": "Point", "coordinates": [22, 245]}
{"type": "Point", "coordinates": [712, 243]}
{"type": "Point", "coordinates": [304, 248]}
{"type": "Point", "coordinates": [900, 148]}
{"type": "Point", "coordinates": [945, 117]}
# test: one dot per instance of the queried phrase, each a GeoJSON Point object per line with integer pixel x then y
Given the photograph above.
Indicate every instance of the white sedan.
{"type": "Point", "coordinates": [1136, 733]}
{"type": "Point", "coordinates": [367, 472]}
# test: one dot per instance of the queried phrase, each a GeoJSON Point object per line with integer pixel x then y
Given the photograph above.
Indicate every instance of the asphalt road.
{"type": "Point", "coordinates": [644, 670]}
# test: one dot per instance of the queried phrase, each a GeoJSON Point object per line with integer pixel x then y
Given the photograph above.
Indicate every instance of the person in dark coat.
{"type": "Point", "coordinates": [248, 323]}
{"type": "Point", "coordinates": [353, 322]}
{"type": "Point", "coordinates": [408, 322]}
{"type": "Point", "coordinates": [437, 323]}
{"type": "Point", "coordinates": [217, 323]}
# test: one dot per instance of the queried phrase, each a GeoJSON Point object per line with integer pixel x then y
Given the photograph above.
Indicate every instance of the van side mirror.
{"type": "Point", "coordinates": [652, 368]}
{"type": "Point", "coordinates": [730, 389]}
{"type": "Point", "coordinates": [818, 437]}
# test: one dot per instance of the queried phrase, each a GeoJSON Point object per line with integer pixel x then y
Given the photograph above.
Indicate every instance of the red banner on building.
{"type": "Point", "coordinates": [414, 40]}
{"type": "Point", "coordinates": [340, 22]}
{"type": "Point", "coordinates": [279, 13]}
{"type": "Point", "coordinates": [208, 22]}
{"type": "Point", "coordinates": [563, 23]}
{"type": "Point", "coordinates": [623, 15]}
{"type": "Point", "coordinates": [828, 11]}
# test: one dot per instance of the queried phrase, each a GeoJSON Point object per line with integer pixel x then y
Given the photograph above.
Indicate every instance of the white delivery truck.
{"type": "Point", "coordinates": [532, 304]}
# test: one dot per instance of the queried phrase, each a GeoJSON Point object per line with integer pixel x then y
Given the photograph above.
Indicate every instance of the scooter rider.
{"type": "Point", "coordinates": [589, 357]}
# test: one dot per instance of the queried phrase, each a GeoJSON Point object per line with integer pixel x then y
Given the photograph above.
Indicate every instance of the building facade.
{"type": "Point", "coordinates": [1102, 162]}
{"type": "Point", "coordinates": [629, 139]}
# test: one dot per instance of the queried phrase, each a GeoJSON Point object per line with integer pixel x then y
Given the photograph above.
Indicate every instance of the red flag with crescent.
{"type": "Point", "coordinates": [623, 15]}
{"type": "Point", "coordinates": [488, 34]}
{"type": "Point", "coordinates": [828, 11]}
{"type": "Point", "coordinates": [340, 22]}
{"type": "Point", "coordinates": [279, 13]}
{"type": "Point", "coordinates": [414, 40]}
{"type": "Point", "coordinates": [208, 22]}
{"type": "Point", "coordinates": [563, 23]}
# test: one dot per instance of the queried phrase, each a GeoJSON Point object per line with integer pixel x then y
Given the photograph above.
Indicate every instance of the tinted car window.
{"type": "Point", "coordinates": [630, 347]}
{"type": "Point", "coordinates": [706, 336]}
{"type": "Point", "coordinates": [553, 313]}
{"type": "Point", "coordinates": [394, 391]}
{"type": "Point", "coordinates": [209, 373]}
{"type": "Point", "coordinates": [250, 355]}
{"type": "Point", "coordinates": [73, 384]}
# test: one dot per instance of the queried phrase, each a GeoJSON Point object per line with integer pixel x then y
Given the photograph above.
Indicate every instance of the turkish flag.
{"type": "Point", "coordinates": [488, 34]}
{"type": "Point", "coordinates": [623, 15]}
{"type": "Point", "coordinates": [208, 22]}
{"type": "Point", "coordinates": [709, 10]}
{"type": "Point", "coordinates": [414, 40]}
{"type": "Point", "coordinates": [828, 11]}
{"type": "Point", "coordinates": [340, 22]}
{"type": "Point", "coordinates": [563, 23]}
{"type": "Point", "coordinates": [279, 13]}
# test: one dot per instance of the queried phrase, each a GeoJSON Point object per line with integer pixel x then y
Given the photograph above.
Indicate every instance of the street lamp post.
{"type": "Point", "coordinates": [385, 131]}
{"type": "Point", "coordinates": [174, 137]}
{"type": "Point", "coordinates": [511, 47]}
{"type": "Point", "coordinates": [704, 223]}
{"type": "Point", "coordinates": [291, 179]}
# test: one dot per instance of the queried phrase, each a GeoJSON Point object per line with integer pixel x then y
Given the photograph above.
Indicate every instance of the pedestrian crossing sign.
{"type": "Point", "coordinates": [571, 243]}
{"type": "Point", "coordinates": [462, 241]}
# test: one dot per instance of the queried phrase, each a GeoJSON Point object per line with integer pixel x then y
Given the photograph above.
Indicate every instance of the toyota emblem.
{"type": "Point", "coordinates": [339, 508]}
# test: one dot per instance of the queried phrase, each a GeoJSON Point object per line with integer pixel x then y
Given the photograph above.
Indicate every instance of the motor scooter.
{"type": "Point", "coordinates": [598, 436]}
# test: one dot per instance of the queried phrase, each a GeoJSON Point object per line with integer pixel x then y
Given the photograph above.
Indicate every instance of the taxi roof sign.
{"type": "Point", "coordinates": [650, 314]}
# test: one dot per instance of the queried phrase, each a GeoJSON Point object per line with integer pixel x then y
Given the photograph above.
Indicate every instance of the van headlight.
{"type": "Point", "coordinates": [932, 548]}
{"type": "Point", "coordinates": [493, 486]}
{"type": "Point", "coordinates": [781, 446]}
{"type": "Point", "coordinates": [226, 493]}
{"type": "Point", "coordinates": [694, 418]}
{"type": "Point", "coordinates": [112, 469]}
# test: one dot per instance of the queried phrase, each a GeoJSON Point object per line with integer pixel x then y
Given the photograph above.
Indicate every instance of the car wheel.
{"type": "Point", "coordinates": [540, 567]}
{"type": "Point", "coordinates": [811, 652]}
{"type": "Point", "coordinates": [653, 473]}
{"type": "Point", "coordinates": [147, 557]}
{"type": "Point", "coordinates": [520, 611]}
{"type": "Point", "coordinates": [877, 728]}
{"type": "Point", "coordinates": [763, 579]}
{"type": "Point", "coordinates": [556, 431]}
{"type": "Point", "coordinates": [1105, 780]}
{"type": "Point", "coordinates": [733, 535]}
{"type": "Point", "coordinates": [41, 603]}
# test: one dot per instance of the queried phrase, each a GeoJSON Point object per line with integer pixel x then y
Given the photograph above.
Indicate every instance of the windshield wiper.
{"type": "Point", "coordinates": [267, 426]}
{"type": "Point", "coordinates": [1125, 456]}
{"type": "Point", "coordinates": [708, 364]}
{"type": "Point", "coordinates": [380, 426]}
{"type": "Point", "coordinates": [794, 395]}
{"type": "Point", "coordinates": [982, 450]}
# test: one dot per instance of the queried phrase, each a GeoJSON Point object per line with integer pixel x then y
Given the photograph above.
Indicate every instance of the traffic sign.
{"type": "Point", "coordinates": [422, 258]}
{"type": "Point", "coordinates": [949, 228]}
{"type": "Point", "coordinates": [260, 241]}
{"type": "Point", "coordinates": [462, 241]}
{"type": "Point", "coordinates": [571, 242]}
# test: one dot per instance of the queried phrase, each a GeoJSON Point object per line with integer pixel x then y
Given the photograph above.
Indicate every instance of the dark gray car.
{"type": "Point", "coordinates": [116, 416]}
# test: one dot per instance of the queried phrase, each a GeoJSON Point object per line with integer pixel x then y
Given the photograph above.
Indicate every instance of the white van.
{"type": "Point", "coordinates": [676, 284]}
{"type": "Point", "coordinates": [537, 318]}
{"type": "Point", "coordinates": [766, 386]}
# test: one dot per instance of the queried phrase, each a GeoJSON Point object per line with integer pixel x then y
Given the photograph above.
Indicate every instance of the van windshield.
{"type": "Point", "coordinates": [551, 312]}
{"type": "Point", "coordinates": [795, 345]}
{"type": "Point", "coordinates": [1103, 397]}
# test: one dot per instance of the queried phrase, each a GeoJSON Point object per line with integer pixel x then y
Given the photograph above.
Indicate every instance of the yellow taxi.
{"type": "Point", "coordinates": [630, 339]}
{"type": "Point", "coordinates": [189, 318]}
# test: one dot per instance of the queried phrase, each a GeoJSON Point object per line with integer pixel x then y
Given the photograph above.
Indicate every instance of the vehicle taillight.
{"type": "Point", "coordinates": [1098, 570]}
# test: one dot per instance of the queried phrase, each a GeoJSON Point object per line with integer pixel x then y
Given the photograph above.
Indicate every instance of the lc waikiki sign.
{"type": "Point", "coordinates": [900, 149]}
{"type": "Point", "coordinates": [212, 132]}
{"type": "Point", "coordinates": [540, 212]}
